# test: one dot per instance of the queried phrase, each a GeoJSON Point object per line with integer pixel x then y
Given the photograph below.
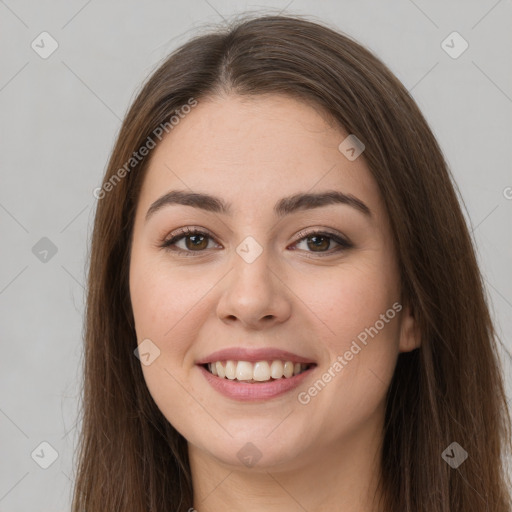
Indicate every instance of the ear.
{"type": "Point", "coordinates": [410, 336]}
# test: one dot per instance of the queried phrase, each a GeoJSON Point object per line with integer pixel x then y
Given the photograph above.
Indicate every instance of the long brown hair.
{"type": "Point", "coordinates": [449, 390]}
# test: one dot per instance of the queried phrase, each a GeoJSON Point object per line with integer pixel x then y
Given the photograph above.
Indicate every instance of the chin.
{"type": "Point", "coordinates": [255, 449]}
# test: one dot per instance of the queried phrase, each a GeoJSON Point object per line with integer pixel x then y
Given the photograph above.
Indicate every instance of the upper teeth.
{"type": "Point", "coordinates": [259, 371]}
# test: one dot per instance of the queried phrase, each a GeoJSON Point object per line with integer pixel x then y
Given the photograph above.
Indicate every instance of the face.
{"type": "Point", "coordinates": [313, 284]}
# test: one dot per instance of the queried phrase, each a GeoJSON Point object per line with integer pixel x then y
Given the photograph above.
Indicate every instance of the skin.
{"type": "Point", "coordinates": [251, 152]}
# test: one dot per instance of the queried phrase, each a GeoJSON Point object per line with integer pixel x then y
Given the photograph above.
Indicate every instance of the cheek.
{"type": "Point", "coordinates": [162, 297]}
{"type": "Point", "coordinates": [347, 300]}
{"type": "Point", "coordinates": [167, 307]}
{"type": "Point", "coordinates": [357, 314]}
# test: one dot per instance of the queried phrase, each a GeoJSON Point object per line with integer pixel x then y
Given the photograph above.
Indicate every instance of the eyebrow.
{"type": "Point", "coordinates": [285, 206]}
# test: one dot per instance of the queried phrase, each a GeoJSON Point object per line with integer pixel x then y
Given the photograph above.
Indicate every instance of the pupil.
{"type": "Point", "coordinates": [197, 243]}
{"type": "Point", "coordinates": [316, 237]}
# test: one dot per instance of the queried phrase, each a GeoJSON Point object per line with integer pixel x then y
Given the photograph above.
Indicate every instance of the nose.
{"type": "Point", "coordinates": [255, 294]}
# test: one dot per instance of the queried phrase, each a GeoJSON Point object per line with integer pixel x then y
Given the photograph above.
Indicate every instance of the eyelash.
{"type": "Point", "coordinates": [185, 232]}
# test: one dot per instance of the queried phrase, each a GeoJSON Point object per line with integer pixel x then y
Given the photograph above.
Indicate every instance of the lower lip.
{"type": "Point", "coordinates": [246, 392]}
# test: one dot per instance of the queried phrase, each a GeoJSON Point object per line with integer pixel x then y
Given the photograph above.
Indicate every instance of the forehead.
{"type": "Point", "coordinates": [250, 150]}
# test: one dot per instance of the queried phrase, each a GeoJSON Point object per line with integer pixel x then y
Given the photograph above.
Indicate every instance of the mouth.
{"type": "Point", "coordinates": [257, 381]}
{"type": "Point", "coordinates": [255, 374]}
{"type": "Point", "coordinates": [258, 372]}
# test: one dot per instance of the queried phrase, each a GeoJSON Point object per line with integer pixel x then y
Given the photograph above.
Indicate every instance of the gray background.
{"type": "Point", "coordinates": [60, 116]}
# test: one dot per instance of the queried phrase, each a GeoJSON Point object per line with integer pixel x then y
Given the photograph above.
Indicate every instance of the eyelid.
{"type": "Point", "coordinates": [343, 242]}
{"type": "Point", "coordinates": [181, 233]}
{"type": "Point", "coordinates": [304, 233]}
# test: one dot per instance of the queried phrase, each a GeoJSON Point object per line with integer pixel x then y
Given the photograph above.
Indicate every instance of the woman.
{"type": "Point", "coordinates": [285, 310]}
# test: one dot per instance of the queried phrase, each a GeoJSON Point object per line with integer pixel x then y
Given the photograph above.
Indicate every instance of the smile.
{"type": "Point", "coordinates": [248, 389]}
{"type": "Point", "coordinates": [260, 371]}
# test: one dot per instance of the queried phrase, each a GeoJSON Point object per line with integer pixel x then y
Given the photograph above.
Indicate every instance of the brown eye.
{"type": "Point", "coordinates": [320, 241]}
{"type": "Point", "coordinates": [195, 241]}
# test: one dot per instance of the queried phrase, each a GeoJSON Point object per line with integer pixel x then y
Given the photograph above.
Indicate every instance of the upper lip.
{"type": "Point", "coordinates": [253, 355]}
